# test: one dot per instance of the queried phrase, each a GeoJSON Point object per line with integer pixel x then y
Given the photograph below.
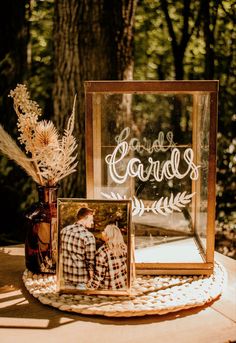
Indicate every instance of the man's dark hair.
{"type": "Point", "coordinates": [84, 212]}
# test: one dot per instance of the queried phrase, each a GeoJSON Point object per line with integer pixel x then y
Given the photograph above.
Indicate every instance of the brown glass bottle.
{"type": "Point", "coordinates": [41, 241]}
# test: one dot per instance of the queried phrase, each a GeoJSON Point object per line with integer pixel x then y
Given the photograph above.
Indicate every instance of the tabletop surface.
{"type": "Point", "coordinates": [24, 319]}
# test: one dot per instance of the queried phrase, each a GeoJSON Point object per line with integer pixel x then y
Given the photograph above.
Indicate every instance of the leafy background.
{"type": "Point", "coordinates": [104, 214]}
{"type": "Point", "coordinates": [207, 50]}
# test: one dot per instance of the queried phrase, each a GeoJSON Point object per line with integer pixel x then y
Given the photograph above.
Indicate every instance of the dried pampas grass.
{"type": "Point", "coordinates": [10, 149]}
{"type": "Point", "coordinates": [48, 158]}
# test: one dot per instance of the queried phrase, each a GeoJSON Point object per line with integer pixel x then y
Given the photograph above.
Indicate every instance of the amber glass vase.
{"type": "Point", "coordinates": [41, 241]}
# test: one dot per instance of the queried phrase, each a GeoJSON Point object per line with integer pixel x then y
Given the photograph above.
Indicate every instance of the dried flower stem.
{"type": "Point", "coordinates": [50, 158]}
{"type": "Point", "coordinates": [9, 148]}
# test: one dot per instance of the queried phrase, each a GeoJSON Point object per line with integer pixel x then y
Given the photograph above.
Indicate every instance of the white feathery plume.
{"type": "Point", "coordinates": [62, 163]}
{"type": "Point", "coordinates": [51, 158]}
{"type": "Point", "coordinates": [9, 148]}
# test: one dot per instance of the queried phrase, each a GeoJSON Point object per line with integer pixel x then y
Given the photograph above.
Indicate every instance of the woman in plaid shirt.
{"type": "Point", "coordinates": [111, 261]}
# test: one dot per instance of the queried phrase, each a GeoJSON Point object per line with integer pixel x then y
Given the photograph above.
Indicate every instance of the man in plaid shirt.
{"type": "Point", "coordinates": [78, 249]}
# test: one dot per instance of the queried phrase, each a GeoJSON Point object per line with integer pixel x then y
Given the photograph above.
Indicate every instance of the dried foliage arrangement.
{"type": "Point", "coordinates": [48, 158]}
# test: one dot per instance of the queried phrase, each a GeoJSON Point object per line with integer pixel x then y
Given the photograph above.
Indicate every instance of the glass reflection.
{"type": "Point", "coordinates": [153, 148]}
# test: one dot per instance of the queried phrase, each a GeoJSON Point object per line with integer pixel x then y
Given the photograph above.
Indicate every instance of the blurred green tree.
{"type": "Point", "coordinates": [92, 41]}
{"type": "Point", "coordinates": [14, 38]}
{"type": "Point", "coordinates": [205, 32]}
{"type": "Point", "coordinates": [40, 54]}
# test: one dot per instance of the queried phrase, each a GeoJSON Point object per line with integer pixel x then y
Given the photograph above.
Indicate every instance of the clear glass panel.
{"type": "Point", "coordinates": [202, 157]}
{"type": "Point", "coordinates": [146, 147]}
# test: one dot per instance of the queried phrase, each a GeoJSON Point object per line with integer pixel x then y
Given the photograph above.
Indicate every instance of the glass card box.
{"type": "Point", "coordinates": [154, 142]}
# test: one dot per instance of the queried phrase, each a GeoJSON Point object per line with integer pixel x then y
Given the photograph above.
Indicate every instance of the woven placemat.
{"type": "Point", "coordinates": [153, 294]}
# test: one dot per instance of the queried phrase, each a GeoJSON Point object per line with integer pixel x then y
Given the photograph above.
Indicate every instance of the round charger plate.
{"type": "Point", "coordinates": [153, 294]}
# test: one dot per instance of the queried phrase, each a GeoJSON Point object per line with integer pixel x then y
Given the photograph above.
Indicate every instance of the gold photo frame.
{"type": "Point", "coordinates": [94, 246]}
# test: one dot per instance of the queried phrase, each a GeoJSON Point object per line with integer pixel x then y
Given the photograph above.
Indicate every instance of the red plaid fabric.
{"type": "Point", "coordinates": [78, 252]}
{"type": "Point", "coordinates": [110, 271]}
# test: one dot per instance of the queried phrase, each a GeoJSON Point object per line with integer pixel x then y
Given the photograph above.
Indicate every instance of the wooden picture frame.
{"type": "Point", "coordinates": [88, 264]}
{"type": "Point", "coordinates": [170, 126]}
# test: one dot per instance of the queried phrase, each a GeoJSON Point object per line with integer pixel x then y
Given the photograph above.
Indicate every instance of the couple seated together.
{"type": "Point", "coordinates": [84, 267]}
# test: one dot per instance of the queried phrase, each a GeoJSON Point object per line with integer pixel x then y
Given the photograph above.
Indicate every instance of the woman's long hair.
{"type": "Point", "coordinates": [115, 240]}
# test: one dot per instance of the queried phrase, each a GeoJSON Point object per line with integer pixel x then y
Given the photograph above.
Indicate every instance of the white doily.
{"type": "Point", "coordinates": [154, 294]}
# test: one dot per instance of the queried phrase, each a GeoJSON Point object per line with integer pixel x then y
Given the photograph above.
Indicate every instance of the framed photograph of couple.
{"type": "Point", "coordinates": [94, 245]}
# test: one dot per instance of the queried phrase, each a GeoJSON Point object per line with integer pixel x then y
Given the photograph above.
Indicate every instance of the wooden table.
{"type": "Point", "coordinates": [24, 319]}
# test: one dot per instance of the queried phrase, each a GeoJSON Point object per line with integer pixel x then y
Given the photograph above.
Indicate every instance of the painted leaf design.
{"type": "Point", "coordinates": [163, 206]}
{"type": "Point", "coordinates": [135, 206]}
{"type": "Point", "coordinates": [156, 207]}
{"type": "Point", "coordinates": [113, 195]}
{"type": "Point", "coordinates": [166, 206]}
{"type": "Point", "coordinates": [107, 196]}
{"type": "Point", "coordinates": [172, 203]}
